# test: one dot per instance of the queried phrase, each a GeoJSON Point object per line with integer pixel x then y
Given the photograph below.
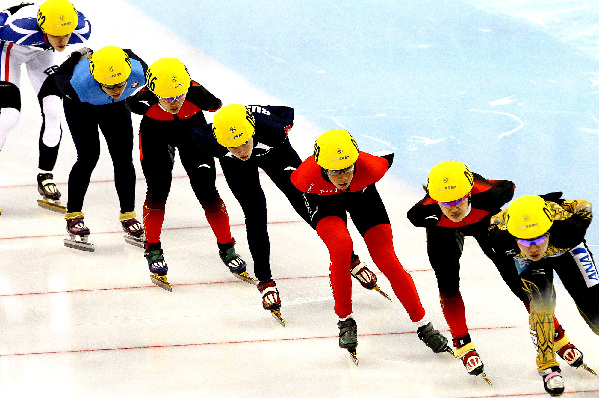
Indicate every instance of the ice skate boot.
{"type": "Point", "coordinates": [271, 300]}
{"type": "Point", "coordinates": [133, 228]}
{"type": "Point", "coordinates": [553, 381]}
{"type": "Point", "coordinates": [348, 337]}
{"type": "Point", "coordinates": [158, 268]}
{"type": "Point", "coordinates": [50, 194]}
{"type": "Point", "coordinates": [235, 263]}
{"type": "Point", "coordinates": [78, 233]}
{"type": "Point", "coordinates": [568, 351]}
{"type": "Point", "coordinates": [366, 277]}
{"type": "Point", "coordinates": [467, 353]}
{"type": "Point", "coordinates": [433, 339]}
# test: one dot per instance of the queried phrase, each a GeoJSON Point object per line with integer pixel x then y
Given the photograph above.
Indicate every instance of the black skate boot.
{"type": "Point", "coordinates": [133, 228]}
{"type": "Point", "coordinates": [158, 268]}
{"type": "Point", "coordinates": [348, 337]}
{"type": "Point", "coordinates": [365, 276]}
{"type": "Point", "coordinates": [78, 232]}
{"type": "Point", "coordinates": [553, 381]}
{"type": "Point", "coordinates": [568, 351]}
{"type": "Point", "coordinates": [271, 300]}
{"type": "Point", "coordinates": [50, 194]}
{"type": "Point", "coordinates": [433, 338]}
{"type": "Point", "coordinates": [470, 359]}
{"type": "Point", "coordinates": [235, 263]}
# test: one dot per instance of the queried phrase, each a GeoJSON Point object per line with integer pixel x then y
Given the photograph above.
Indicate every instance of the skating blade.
{"type": "Point", "coordinates": [244, 276]}
{"type": "Point", "coordinates": [585, 367]}
{"type": "Point", "coordinates": [139, 242]}
{"type": "Point", "coordinates": [73, 243]}
{"type": "Point", "coordinates": [160, 281]}
{"type": "Point", "coordinates": [378, 289]}
{"type": "Point", "coordinates": [484, 376]}
{"type": "Point", "coordinates": [51, 205]}
{"type": "Point", "coordinates": [449, 350]}
{"type": "Point", "coordinates": [277, 315]}
{"type": "Point", "coordinates": [354, 357]}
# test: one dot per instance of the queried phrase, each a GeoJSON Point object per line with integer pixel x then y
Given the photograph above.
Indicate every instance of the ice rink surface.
{"type": "Point", "coordinates": [92, 324]}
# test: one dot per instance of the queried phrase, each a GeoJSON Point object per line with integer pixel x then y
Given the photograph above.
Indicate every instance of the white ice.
{"type": "Point", "coordinates": [78, 324]}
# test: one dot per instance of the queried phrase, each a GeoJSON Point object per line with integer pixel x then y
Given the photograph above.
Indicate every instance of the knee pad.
{"type": "Point", "coordinates": [51, 111]}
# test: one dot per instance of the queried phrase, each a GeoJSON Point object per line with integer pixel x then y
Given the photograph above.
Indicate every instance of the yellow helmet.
{"type": "Point", "coordinates": [335, 150]}
{"type": "Point", "coordinates": [233, 125]}
{"type": "Point", "coordinates": [448, 181]}
{"type": "Point", "coordinates": [529, 217]}
{"type": "Point", "coordinates": [57, 17]}
{"type": "Point", "coordinates": [168, 78]}
{"type": "Point", "coordinates": [110, 65]}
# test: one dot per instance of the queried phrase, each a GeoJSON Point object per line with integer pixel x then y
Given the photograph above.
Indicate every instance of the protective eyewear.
{"type": "Point", "coordinates": [113, 86]}
{"type": "Point", "coordinates": [454, 203]}
{"type": "Point", "coordinates": [529, 242]}
{"type": "Point", "coordinates": [173, 99]}
{"type": "Point", "coordinates": [342, 171]}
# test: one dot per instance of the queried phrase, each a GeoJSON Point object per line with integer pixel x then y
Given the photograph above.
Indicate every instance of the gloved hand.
{"type": "Point", "coordinates": [84, 52]}
{"type": "Point", "coordinates": [553, 197]}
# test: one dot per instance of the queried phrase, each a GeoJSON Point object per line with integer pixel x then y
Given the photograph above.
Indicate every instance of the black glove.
{"type": "Point", "coordinates": [503, 243]}
{"type": "Point", "coordinates": [555, 197]}
{"type": "Point", "coordinates": [569, 232]}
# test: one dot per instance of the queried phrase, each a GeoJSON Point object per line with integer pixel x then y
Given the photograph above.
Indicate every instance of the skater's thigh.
{"type": "Point", "coordinates": [444, 249]}
{"type": "Point", "coordinates": [83, 125]}
{"type": "Point", "coordinates": [117, 128]}
{"type": "Point", "coordinates": [11, 67]}
{"type": "Point", "coordinates": [366, 209]}
{"type": "Point", "coordinates": [156, 155]}
{"type": "Point", "coordinates": [244, 182]}
{"type": "Point", "coordinates": [322, 206]}
{"type": "Point", "coordinates": [40, 68]}
{"type": "Point", "coordinates": [157, 159]}
{"type": "Point", "coordinates": [199, 166]}
{"type": "Point", "coordinates": [538, 285]}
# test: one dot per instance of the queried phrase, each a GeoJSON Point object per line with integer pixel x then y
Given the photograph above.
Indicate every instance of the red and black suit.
{"type": "Point", "coordinates": [329, 207]}
{"type": "Point", "coordinates": [160, 134]}
{"type": "Point", "coordinates": [445, 243]}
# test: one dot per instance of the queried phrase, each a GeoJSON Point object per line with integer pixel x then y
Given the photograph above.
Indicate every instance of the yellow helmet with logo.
{"type": "Point", "coordinates": [448, 181]}
{"type": "Point", "coordinates": [57, 17]}
{"type": "Point", "coordinates": [529, 217]}
{"type": "Point", "coordinates": [110, 65]}
{"type": "Point", "coordinates": [336, 150]}
{"type": "Point", "coordinates": [233, 125]}
{"type": "Point", "coordinates": [168, 78]}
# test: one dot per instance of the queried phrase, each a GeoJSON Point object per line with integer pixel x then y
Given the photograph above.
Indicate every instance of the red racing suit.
{"type": "Point", "coordinates": [329, 207]}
